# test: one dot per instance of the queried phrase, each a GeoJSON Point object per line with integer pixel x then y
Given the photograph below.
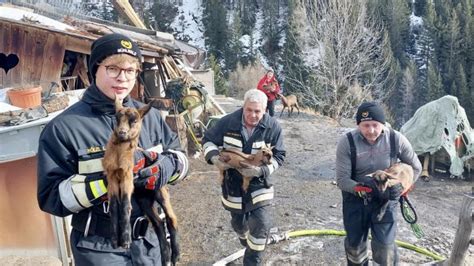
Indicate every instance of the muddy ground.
{"type": "Point", "coordinates": [307, 198]}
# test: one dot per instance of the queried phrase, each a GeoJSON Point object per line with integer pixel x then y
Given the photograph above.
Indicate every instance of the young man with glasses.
{"type": "Point", "coordinates": [70, 174]}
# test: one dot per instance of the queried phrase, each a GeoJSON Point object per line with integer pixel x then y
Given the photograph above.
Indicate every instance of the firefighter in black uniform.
{"type": "Point", "coordinates": [70, 174]}
{"type": "Point", "coordinates": [248, 129]}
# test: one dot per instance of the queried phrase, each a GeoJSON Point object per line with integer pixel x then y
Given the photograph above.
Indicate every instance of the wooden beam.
{"type": "Point", "coordinates": [126, 10]}
{"type": "Point", "coordinates": [78, 45]}
{"type": "Point", "coordinates": [463, 234]}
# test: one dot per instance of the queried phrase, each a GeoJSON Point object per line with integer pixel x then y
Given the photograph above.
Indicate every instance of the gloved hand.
{"type": "Point", "coordinates": [395, 191]}
{"type": "Point", "coordinates": [251, 170]}
{"type": "Point", "coordinates": [220, 164]}
{"type": "Point", "coordinates": [363, 190]}
{"type": "Point", "coordinates": [147, 170]}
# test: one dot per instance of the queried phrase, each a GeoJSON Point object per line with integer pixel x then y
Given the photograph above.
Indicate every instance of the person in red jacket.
{"type": "Point", "coordinates": [269, 85]}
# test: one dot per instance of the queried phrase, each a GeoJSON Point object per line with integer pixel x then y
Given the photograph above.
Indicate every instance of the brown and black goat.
{"type": "Point", "coordinates": [118, 166]}
{"type": "Point", "coordinates": [290, 102]}
{"type": "Point", "coordinates": [400, 173]}
{"type": "Point", "coordinates": [237, 159]}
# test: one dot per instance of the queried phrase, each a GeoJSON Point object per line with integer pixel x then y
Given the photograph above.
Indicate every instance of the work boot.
{"type": "Point", "coordinates": [243, 241]}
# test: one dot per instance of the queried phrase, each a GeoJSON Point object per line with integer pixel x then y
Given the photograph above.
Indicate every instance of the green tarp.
{"type": "Point", "coordinates": [437, 125]}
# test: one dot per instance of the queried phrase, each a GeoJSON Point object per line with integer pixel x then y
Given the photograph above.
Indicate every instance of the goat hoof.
{"type": "Point", "coordinates": [114, 242]}
{"type": "Point", "coordinates": [175, 258]}
{"type": "Point", "coordinates": [126, 243]}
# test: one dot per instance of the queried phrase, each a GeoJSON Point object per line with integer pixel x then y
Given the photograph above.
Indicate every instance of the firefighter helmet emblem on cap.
{"type": "Point", "coordinates": [365, 114]}
{"type": "Point", "coordinates": [126, 44]}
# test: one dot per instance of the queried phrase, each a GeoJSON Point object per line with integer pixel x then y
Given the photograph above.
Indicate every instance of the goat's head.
{"type": "Point", "coordinates": [267, 154]}
{"type": "Point", "coordinates": [381, 177]}
{"type": "Point", "coordinates": [129, 120]}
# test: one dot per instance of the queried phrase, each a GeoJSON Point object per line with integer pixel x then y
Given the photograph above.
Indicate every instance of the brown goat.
{"type": "Point", "coordinates": [118, 166]}
{"type": "Point", "coordinates": [290, 102]}
{"type": "Point", "coordinates": [400, 173]}
{"type": "Point", "coordinates": [237, 159]}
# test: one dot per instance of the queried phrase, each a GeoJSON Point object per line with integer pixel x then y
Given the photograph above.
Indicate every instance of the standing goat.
{"type": "Point", "coordinates": [118, 165]}
{"type": "Point", "coordinates": [290, 102]}
{"type": "Point", "coordinates": [238, 159]}
{"type": "Point", "coordinates": [400, 173]}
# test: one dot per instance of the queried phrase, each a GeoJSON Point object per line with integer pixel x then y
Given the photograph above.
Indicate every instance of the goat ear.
{"type": "Point", "coordinates": [144, 110]}
{"type": "Point", "coordinates": [118, 102]}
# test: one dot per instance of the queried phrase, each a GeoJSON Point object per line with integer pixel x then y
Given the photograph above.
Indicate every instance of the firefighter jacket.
{"type": "Point", "coordinates": [71, 147]}
{"type": "Point", "coordinates": [227, 133]}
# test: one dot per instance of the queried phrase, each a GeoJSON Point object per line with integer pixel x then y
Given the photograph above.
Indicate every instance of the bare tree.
{"type": "Point", "coordinates": [352, 61]}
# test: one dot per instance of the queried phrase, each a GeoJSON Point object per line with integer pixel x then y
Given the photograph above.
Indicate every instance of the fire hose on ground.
{"type": "Point", "coordinates": [276, 238]}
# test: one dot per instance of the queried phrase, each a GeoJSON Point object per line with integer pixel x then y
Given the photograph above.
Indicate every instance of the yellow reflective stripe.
{"type": "Point", "coordinates": [79, 190]}
{"type": "Point", "coordinates": [257, 244]}
{"type": "Point", "coordinates": [233, 142]}
{"type": "Point", "coordinates": [98, 188]}
{"type": "Point", "coordinates": [158, 148]}
{"type": "Point", "coordinates": [233, 205]}
{"type": "Point", "coordinates": [90, 166]}
{"type": "Point", "coordinates": [209, 146]}
{"type": "Point", "coordinates": [263, 197]}
{"type": "Point", "coordinates": [258, 144]}
{"type": "Point", "coordinates": [273, 166]}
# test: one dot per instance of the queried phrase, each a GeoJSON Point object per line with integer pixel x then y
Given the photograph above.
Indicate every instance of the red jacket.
{"type": "Point", "coordinates": [264, 82]}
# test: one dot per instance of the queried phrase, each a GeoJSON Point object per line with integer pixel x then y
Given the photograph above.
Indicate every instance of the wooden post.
{"type": "Point", "coordinates": [463, 234]}
{"type": "Point", "coordinates": [424, 174]}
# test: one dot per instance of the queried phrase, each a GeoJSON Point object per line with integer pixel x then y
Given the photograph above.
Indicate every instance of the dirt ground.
{"type": "Point", "coordinates": [307, 198]}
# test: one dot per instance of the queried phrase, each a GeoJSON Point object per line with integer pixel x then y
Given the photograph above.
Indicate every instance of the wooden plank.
{"type": "Point", "coordinates": [52, 59]}
{"type": "Point", "coordinates": [39, 38]}
{"type": "Point", "coordinates": [5, 41]}
{"type": "Point", "coordinates": [18, 41]}
{"type": "Point", "coordinates": [27, 57]}
{"type": "Point", "coordinates": [463, 234]}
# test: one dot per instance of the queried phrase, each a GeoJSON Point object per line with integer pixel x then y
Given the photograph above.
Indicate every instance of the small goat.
{"type": "Point", "coordinates": [290, 102]}
{"type": "Point", "coordinates": [237, 159]}
{"type": "Point", "coordinates": [399, 173]}
{"type": "Point", "coordinates": [118, 166]}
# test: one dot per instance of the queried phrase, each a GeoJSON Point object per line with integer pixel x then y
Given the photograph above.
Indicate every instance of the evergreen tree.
{"type": "Point", "coordinates": [461, 84]}
{"type": "Point", "coordinates": [220, 83]}
{"type": "Point", "coordinates": [162, 14]}
{"type": "Point", "coordinates": [407, 93]}
{"type": "Point", "coordinates": [420, 7]}
{"type": "Point", "coordinates": [435, 86]}
{"type": "Point", "coordinates": [234, 49]}
{"type": "Point", "coordinates": [247, 16]}
{"type": "Point", "coordinates": [216, 30]}
{"type": "Point", "coordinates": [394, 15]}
{"type": "Point", "coordinates": [296, 78]}
{"type": "Point", "coordinates": [271, 31]}
{"type": "Point", "coordinates": [108, 11]}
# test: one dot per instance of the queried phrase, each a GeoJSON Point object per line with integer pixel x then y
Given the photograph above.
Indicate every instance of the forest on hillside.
{"type": "Point", "coordinates": [332, 53]}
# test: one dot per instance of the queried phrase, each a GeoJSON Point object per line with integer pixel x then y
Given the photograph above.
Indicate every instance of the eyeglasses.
{"type": "Point", "coordinates": [114, 72]}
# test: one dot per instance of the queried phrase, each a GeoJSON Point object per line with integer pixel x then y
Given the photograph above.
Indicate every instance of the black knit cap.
{"type": "Point", "coordinates": [369, 111]}
{"type": "Point", "coordinates": [108, 45]}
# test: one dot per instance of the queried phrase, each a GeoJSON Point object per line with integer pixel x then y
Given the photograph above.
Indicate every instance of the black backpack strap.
{"type": "Point", "coordinates": [353, 154]}
{"type": "Point", "coordinates": [393, 148]}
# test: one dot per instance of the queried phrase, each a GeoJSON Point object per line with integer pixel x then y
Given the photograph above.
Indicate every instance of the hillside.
{"type": "Point", "coordinates": [307, 198]}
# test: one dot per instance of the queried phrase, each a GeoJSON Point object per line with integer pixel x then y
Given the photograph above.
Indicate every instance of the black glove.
{"type": "Point", "coordinates": [147, 170]}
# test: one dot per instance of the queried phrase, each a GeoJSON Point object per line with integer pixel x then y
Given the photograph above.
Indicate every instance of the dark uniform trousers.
{"type": "Point", "coordinates": [358, 219]}
{"type": "Point", "coordinates": [96, 250]}
{"type": "Point", "coordinates": [255, 226]}
{"type": "Point", "coordinates": [271, 107]}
